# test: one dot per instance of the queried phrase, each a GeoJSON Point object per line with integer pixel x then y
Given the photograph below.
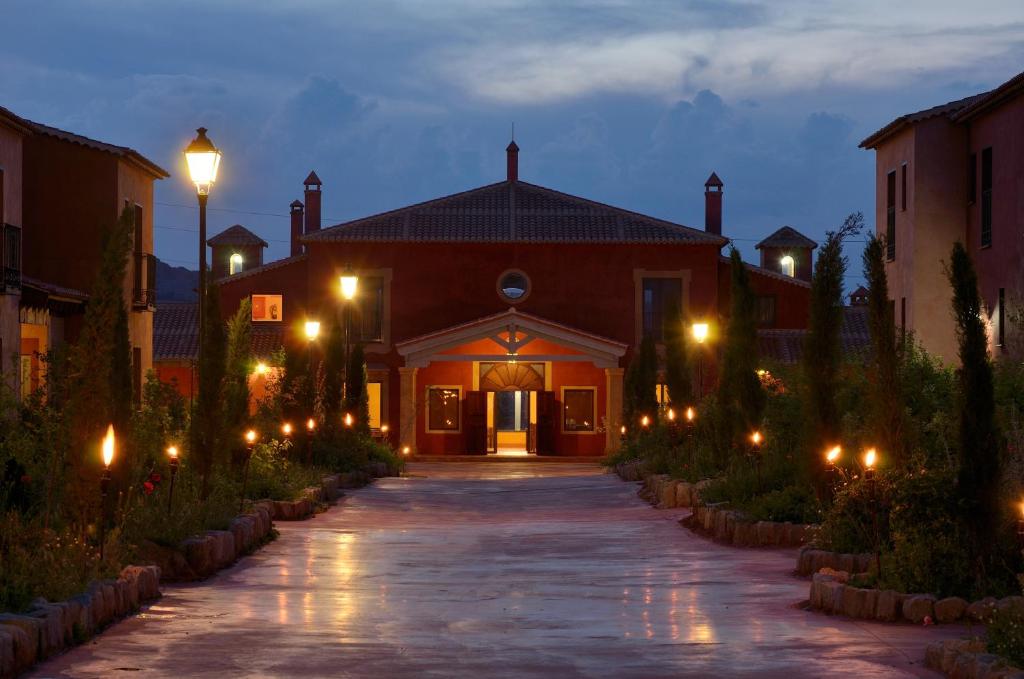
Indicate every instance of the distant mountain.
{"type": "Point", "coordinates": [175, 283]}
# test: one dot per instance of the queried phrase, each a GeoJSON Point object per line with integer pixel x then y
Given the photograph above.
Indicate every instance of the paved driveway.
{"type": "Point", "coordinates": [517, 569]}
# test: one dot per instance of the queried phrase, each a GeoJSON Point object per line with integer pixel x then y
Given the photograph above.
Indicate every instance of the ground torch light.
{"type": "Point", "coordinates": [406, 450]}
{"type": "Point", "coordinates": [870, 460]}
{"type": "Point", "coordinates": [172, 452]}
{"type": "Point", "coordinates": [108, 457]}
{"type": "Point", "coordinates": [250, 443]}
{"type": "Point", "coordinates": [310, 428]}
{"type": "Point", "coordinates": [645, 421]}
{"type": "Point", "coordinates": [349, 420]}
{"type": "Point", "coordinates": [286, 430]}
{"type": "Point", "coordinates": [622, 434]}
{"type": "Point", "coordinates": [756, 439]}
{"type": "Point", "coordinates": [691, 420]}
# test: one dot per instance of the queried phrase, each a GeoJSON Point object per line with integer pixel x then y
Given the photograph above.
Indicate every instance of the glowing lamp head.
{"type": "Point", "coordinates": [286, 428]}
{"type": "Point", "coordinates": [690, 414]}
{"type": "Point", "coordinates": [1021, 507]}
{"type": "Point", "coordinates": [310, 424]}
{"type": "Point", "coordinates": [349, 286]}
{"type": "Point", "coordinates": [250, 436]}
{"type": "Point", "coordinates": [203, 160]}
{"type": "Point", "coordinates": [622, 430]}
{"type": "Point", "coordinates": [383, 429]}
{"type": "Point", "coordinates": [645, 421]}
{"type": "Point", "coordinates": [349, 420]}
{"type": "Point", "coordinates": [671, 415]}
{"type": "Point", "coordinates": [757, 438]}
{"type": "Point", "coordinates": [261, 368]}
{"type": "Point", "coordinates": [172, 452]}
{"type": "Point", "coordinates": [833, 454]}
{"type": "Point", "coordinates": [870, 458]}
{"type": "Point", "coordinates": [108, 446]}
{"type": "Point", "coordinates": [312, 330]}
{"type": "Point", "coordinates": [406, 450]}
{"type": "Point", "coordinates": [700, 332]}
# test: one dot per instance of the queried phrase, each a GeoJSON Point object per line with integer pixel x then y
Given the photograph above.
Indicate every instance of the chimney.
{"type": "Point", "coordinates": [713, 205]}
{"type": "Point", "coordinates": [297, 226]}
{"type": "Point", "coordinates": [312, 185]}
{"type": "Point", "coordinates": [512, 151]}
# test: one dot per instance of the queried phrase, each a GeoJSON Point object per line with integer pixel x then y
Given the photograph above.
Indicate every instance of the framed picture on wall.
{"type": "Point", "coordinates": [267, 308]}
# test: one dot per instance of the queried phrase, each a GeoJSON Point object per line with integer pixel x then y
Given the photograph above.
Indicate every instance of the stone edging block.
{"type": "Point", "coordinates": [967, 659]}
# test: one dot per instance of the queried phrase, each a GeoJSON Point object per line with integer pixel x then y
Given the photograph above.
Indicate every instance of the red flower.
{"type": "Point", "coordinates": [154, 477]}
{"type": "Point", "coordinates": [148, 487]}
{"type": "Point", "coordinates": [26, 479]}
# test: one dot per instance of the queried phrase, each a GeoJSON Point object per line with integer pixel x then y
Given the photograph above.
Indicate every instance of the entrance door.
{"type": "Point", "coordinates": [547, 420]}
{"type": "Point", "coordinates": [475, 416]}
{"type": "Point", "coordinates": [512, 422]}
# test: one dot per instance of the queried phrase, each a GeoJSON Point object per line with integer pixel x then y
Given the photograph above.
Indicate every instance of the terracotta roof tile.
{"type": "Point", "coordinates": [787, 237]}
{"type": "Point", "coordinates": [176, 333]}
{"type": "Point", "coordinates": [121, 151]}
{"type": "Point", "coordinates": [947, 109]}
{"type": "Point", "coordinates": [236, 235]}
{"type": "Point", "coordinates": [786, 346]}
{"type": "Point", "coordinates": [513, 212]}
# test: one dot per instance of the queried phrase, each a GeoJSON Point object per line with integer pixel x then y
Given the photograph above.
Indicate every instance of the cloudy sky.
{"type": "Point", "coordinates": [627, 102]}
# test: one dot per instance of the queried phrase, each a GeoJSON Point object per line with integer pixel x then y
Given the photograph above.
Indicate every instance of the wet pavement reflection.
{"type": "Point", "coordinates": [498, 569]}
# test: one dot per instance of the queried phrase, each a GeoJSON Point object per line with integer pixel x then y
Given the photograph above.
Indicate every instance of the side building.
{"type": "Point", "coordinates": [51, 247]}
{"type": "Point", "coordinates": [499, 319]}
{"type": "Point", "coordinates": [954, 172]}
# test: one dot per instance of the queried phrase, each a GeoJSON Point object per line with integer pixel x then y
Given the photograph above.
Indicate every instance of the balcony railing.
{"type": "Point", "coordinates": [144, 289]}
{"type": "Point", "coordinates": [10, 257]}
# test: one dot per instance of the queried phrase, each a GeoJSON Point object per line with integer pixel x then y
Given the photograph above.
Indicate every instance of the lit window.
{"type": "Point", "coordinates": [373, 398]}
{"type": "Point", "coordinates": [788, 266]}
{"type": "Point", "coordinates": [661, 393]}
{"type": "Point", "coordinates": [578, 410]}
{"type": "Point", "coordinates": [443, 409]}
{"type": "Point", "coordinates": [235, 264]}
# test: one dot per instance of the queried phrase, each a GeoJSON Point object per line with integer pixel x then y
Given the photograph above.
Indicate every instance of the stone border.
{"type": "Point", "coordinates": [811, 561]}
{"type": "Point", "coordinates": [730, 527]}
{"type": "Point", "coordinates": [831, 594]}
{"type": "Point", "coordinates": [968, 659]}
{"type": "Point", "coordinates": [50, 628]}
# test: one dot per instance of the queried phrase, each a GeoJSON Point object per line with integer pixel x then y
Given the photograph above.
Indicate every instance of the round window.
{"type": "Point", "coordinates": [513, 286]}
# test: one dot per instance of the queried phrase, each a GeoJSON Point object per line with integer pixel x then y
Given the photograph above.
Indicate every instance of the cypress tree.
{"type": "Point", "coordinates": [334, 370]}
{"type": "Point", "coordinates": [740, 394]}
{"type": "Point", "coordinates": [640, 386]}
{"type": "Point", "coordinates": [886, 405]}
{"type": "Point", "coordinates": [121, 373]}
{"type": "Point", "coordinates": [978, 476]}
{"type": "Point", "coordinates": [822, 354]}
{"type": "Point", "coordinates": [357, 399]}
{"type": "Point", "coordinates": [238, 367]}
{"type": "Point", "coordinates": [207, 415]}
{"type": "Point", "coordinates": [677, 370]}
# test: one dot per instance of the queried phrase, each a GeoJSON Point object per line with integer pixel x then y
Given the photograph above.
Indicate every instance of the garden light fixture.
{"type": "Point", "coordinates": [312, 330]}
{"type": "Point", "coordinates": [700, 332]}
{"type": "Point", "coordinates": [172, 452]}
{"type": "Point", "coordinates": [203, 160]}
{"type": "Point", "coordinates": [250, 443]}
{"type": "Point", "coordinates": [349, 285]}
{"type": "Point", "coordinates": [108, 457]}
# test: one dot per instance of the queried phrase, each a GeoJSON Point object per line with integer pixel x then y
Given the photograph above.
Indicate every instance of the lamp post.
{"type": "Point", "coordinates": [108, 457]}
{"type": "Point", "coordinates": [203, 160]}
{"type": "Point", "coordinates": [310, 428]}
{"type": "Point", "coordinates": [250, 443]}
{"type": "Point", "coordinates": [286, 431]}
{"type": "Point", "coordinates": [349, 283]}
{"type": "Point", "coordinates": [870, 460]}
{"type": "Point", "coordinates": [172, 452]}
{"type": "Point", "coordinates": [622, 435]}
{"type": "Point", "coordinates": [700, 335]}
{"type": "Point", "coordinates": [691, 421]}
{"type": "Point", "coordinates": [349, 420]}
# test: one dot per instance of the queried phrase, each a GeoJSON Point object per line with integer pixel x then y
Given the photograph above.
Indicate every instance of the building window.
{"type": "Point", "coordinates": [986, 197]}
{"type": "Point", "coordinates": [972, 179]}
{"type": "Point", "coordinates": [443, 409]}
{"type": "Point", "coordinates": [578, 409]}
{"type": "Point", "coordinates": [903, 187]}
{"type": "Point", "coordinates": [659, 296]}
{"type": "Point", "coordinates": [373, 398]}
{"type": "Point", "coordinates": [661, 395]}
{"type": "Point", "coordinates": [513, 286]}
{"type": "Point", "coordinates": [890, 217]}
{"type": "Point", "coordinates": [787, 266]}
{"type": "Point", "coordinates": [370, 304]}
{"type": "Point", "coordinates": [1001, 316]}
{"type": "Point", "coordinates": [766, 310]}
{"type": "Point", "coordinates": [11, 250]}
{"type": "Point", "coordinates": [235, 263]}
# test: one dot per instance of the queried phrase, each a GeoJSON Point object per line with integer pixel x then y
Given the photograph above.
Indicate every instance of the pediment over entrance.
{"type": "Point", "coordinates": [507, 335]}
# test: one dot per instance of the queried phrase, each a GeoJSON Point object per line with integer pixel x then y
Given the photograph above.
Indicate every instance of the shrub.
{"type": "Point", "coordinates": [847, 526]}
{"type": "Point", "coordinates": [272, 474]}
{"type": "Point", "coordinates": [794, 503]}
{"type": "Point", "coordinates": [1006, 634]}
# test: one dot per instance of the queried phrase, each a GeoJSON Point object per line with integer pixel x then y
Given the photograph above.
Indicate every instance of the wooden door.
{"type": "Point", "coordinates": [474, 411]}
{"type": "Point", "coordinates": [547, 421]}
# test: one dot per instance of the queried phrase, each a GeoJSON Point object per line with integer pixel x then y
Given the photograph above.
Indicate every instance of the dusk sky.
{"type": "Point", "coordinates": [629, 103]}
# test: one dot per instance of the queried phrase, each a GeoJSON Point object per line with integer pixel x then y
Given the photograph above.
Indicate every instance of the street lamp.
{"type": "Point", "coordinates": [108, 457]}
{"type": "Point", "coordinates": [349, 283]}
{"type": "Point", "coordinates": [250, 443]}
{"type": "Point", "coordinates": [203, 159]}
{"type": "Point", "coordinates": [700, 336]}
{"type": "Point", "coordinates": [172, 452]}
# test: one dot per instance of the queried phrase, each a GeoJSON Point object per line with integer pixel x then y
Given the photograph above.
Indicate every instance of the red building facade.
{"type": "Point", "coordinates": [501, 319]}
